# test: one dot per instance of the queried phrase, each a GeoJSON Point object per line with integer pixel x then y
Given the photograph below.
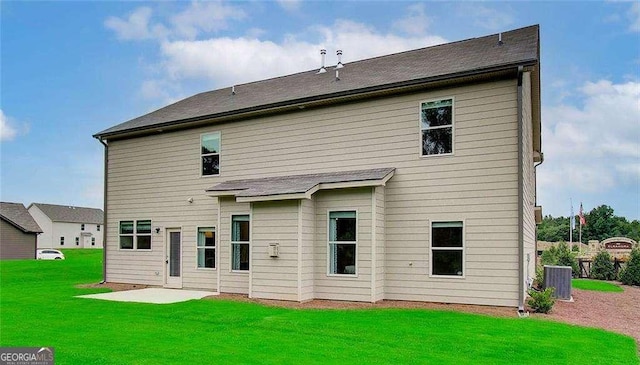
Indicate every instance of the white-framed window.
{"type": "Point", "coordinates": [447, 249]}
{"type": "Point", "coordinates": [98, 227]}
{"type": "Point", "coordinates": [436, 127]}
{"type": "Point", "coordinates": [343, 242]}
{"type": "Point", "coordinates": [210, 154]}
{"type": "Point", "coordinates": [206, 247]}
{"type": "Point", "coordinates": [61, 241]}
{"type": "Point", "coordinates": [77, 241]}
{"type": "Point", "coordinates": [93, 241]}
{"type": "Point", "coordinates": [240, 242]}
{"type": "Point", "coordinates": [82, 226]}
{"type": "Point", "coordinates": [135, 235]}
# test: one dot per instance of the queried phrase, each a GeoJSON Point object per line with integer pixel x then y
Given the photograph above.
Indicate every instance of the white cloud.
{"type": "Point", "coordinates": [136, 26]}
{"type": "Point", "coordinates": [226, 61]}
{"type": "Point", "coordinates": [486, 17]}
{"type": "Point", "coordinates": [204, 17]}
{"type": "Point", "coordinates": [593, 147]}
{"type": "Point", "coordinates": [7, 131]}
{"type": "Point", "coordinates": [634, 17]}
{"type": "Point", "coordinates": [11, 128]}
{"type": "Point", "coordinates": [415, 22]}
{"type": "Point", "coordinates": [289, 5]}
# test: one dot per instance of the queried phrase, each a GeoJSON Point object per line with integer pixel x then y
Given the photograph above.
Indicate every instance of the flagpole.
{"type": "Point", "coordinates": [571, 226]}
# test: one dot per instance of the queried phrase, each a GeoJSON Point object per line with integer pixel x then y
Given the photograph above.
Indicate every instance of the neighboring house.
{"type": "Point", "coordinates": [68, 227]}
{"type": "Point", "coordinates": [18, 232]}
{"type": "Point", "coordinates": [409, 176]}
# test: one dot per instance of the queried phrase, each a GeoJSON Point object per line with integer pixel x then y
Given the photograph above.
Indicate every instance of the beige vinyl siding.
{"type": "Point", "coordinates": [192, 276]}
{"type": "Point", "coordinates": [232, 281]}
{"type": "Point", "coordinates": [343, 287]}
{"type": "Point", "coordinates": [46, 238]}
{"type": "Point", "coordinates": [274, 277]}
{"type": "Point", "coordinates": [378, 198]}
{"type": "Point", "coordinates": [151, 177]}
{"type": "Point", "coordinates": [307, 235]}
{"type": "Point", "coordinates": [529, 189]}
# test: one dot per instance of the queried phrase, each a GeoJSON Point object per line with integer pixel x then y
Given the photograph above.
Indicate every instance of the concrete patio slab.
{"type": "Point", "coordinates": [151, 295]}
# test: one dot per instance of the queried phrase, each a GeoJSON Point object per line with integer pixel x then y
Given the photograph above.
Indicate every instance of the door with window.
{"type": "Point", "coordinates": [173, 253]}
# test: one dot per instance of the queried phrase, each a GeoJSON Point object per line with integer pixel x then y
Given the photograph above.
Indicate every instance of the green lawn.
{"type": "Point", "coordinates": [595, 285]}
{"type": "Point", "coordinates": [37, 308]}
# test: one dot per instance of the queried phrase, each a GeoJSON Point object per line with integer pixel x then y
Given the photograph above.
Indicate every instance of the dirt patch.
{"type": "Point", "coordinates": [617, 312]}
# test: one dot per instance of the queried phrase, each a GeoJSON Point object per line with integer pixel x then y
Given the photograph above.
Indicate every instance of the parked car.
{"type": "Point", "coordinates": [49, 254]}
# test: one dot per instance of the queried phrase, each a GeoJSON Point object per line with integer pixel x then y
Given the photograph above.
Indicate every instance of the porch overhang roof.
{"type": "Point", "coordinates": [298, 186]}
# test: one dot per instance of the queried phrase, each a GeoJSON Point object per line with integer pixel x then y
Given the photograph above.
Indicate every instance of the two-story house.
{"type": "Point", "coordinates": [409, 176]}
{"type": "Point", "coordinates": [68, 226]}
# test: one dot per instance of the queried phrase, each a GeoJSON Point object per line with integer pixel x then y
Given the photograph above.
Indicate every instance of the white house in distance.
{"type": "Point", "coordinates": [409, 176]}
{"type": "Point", "coordinates": [67, 226]}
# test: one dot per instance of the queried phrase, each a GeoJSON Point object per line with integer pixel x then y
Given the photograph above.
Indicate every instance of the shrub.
{"type": "Point", "coordinates": [566, 258]}
{"type": "Point", "coordinates": [602, 268]}
{"type": "Point", "coordinates": [539, 279]}
{"type": "Point", "coordinates": [549, 256]}
{"type": "Point", "coordinates": [631, 274]}
{"type": "Point", "coordinates": [541, 301]}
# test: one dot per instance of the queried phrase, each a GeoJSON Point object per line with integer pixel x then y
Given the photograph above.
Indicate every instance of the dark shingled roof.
{"type": "Point", "coordinates": [64, 213]}
{"type": "Point", "coordinates": [446, 61]}
{"type": "Point", "coordinates": [18, 215]}
{"type": "Point", "coordinates": [296, 184]}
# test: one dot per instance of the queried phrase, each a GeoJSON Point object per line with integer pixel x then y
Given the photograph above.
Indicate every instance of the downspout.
{"type": "Point", "coordinates": [520, 198]}
{"type": "Point", "coordinates": [104, 223]}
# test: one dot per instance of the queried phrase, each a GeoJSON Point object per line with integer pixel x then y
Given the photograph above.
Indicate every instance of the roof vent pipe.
{"type": "Point", "coordinates": [322, 70]}
{"type": "Point", "coordinates": [233, 90]}
{"type": "Point", "coordinates": [337, 75]}
{"type": "Point", "coordinates": [500, 42]}
{"type": "Point", "coordinates": [339, 53]}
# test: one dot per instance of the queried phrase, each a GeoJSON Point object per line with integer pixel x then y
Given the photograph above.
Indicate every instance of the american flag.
{"type": "Point", "coordinates": [583, 222]}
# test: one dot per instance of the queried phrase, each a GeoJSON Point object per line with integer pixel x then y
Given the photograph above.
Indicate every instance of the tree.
{"type": "Point", "coordinates": [567, 258]}
{"type": "Point", "coordinates": [602, 268]}
{"type": "Point", "coordinates": [631, 274]}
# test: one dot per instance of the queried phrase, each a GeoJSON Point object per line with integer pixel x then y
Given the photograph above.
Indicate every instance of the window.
{"type": "Point", "coordinates": [436, 127]}
{"type": "Point", "coordinates": [240, 242]}
{"type": "Point", "coordinates": [82, 227]}
{"type": "Point", "coordinates": [138, 238]}
{"type": "Point", "coordinates": [210, 154]}
{"type": "Point", "coordinates": [98, 227]}
{"type": "Point", "coordinates": [206, 248]}
{"type": "Point", "coordinates": [77, 241]}
{"type": "Point", "coordinates": [61, 241]}
{"type": "Point", "coordinates": [93, 241]}
{"type": "Point", "coordinates": [342, 243]}
{"type": "Point", "coordinates": [447, 249]}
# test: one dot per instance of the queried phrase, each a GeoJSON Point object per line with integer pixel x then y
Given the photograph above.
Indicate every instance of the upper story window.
{"type": "Point", "coordinates": [436, 127]}
{"type": "Point", "coordinates": [98, 228]}
{"type": "Point", "coordinates": [342, 243]}
{"type": "Point", "coordinates": [82, 227]}
{"type": "Point", "coordinates": [210, 154]}
{"type": "Point", "coordinates": [135, 235]}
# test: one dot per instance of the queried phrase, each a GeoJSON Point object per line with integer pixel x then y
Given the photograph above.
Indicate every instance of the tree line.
{"type": "Point", "coordinates": [601, 221]}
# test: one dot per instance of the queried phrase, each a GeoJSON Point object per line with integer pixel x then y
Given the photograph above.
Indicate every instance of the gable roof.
{"type": "Point", "coordinates": [18, 215]}
{"type": "Point", "coordinates": [70, 214]}
{"type": "Point", "coordinates": [298, 186]}
{"type": "Point", "coordinates": [466, 58]}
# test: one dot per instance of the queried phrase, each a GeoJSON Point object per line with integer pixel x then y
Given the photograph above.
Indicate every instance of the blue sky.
{"type": "Point", "coordinates": [71, 69]}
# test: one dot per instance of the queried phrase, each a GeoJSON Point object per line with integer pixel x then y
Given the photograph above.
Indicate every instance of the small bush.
{"type": "Point", "coordinates": [602, 268]}
{"type": "Point", "coordinates": [541, 301]}
{"type": "Point", "coordinates": [539, 279]}
{"type": "Point", "coordinates": [631, 274]}
{"type": "Point", "coordinates": [549, 256]}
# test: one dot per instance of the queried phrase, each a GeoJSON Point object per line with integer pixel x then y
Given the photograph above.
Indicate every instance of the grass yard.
{"type": "Point", "coordinates": [595, 285]}
{"type": "Point", "coordinates": [38, 308]}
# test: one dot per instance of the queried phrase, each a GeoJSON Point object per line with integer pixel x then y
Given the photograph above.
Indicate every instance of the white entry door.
{"type": "Point", "coordinates": [173, 260]}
